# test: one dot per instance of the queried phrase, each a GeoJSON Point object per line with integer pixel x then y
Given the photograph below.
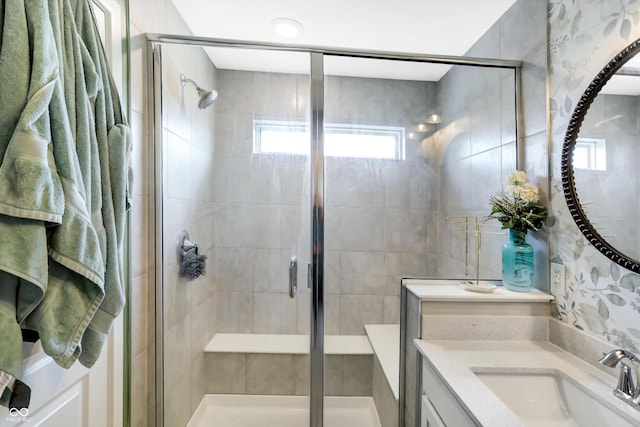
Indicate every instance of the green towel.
{"type": "Point", "coordinates": [23, 243]}
{"type": "Point", "coordinates": [98, 117]}
{"type": "Point", "coordinates": [15, 61]}
{"type": "Point", "coordinates": [23, 246]}
{"type": "Point", "coordinates": [29, 183]}
{"type": "Point", "coordinates": [10, 333]}
{"type": "Point", "coordinates": [24, 255]}
{"type": "Point", "coordinates": [114, 147]}
{"type": "Point", "coordinates": [64, 181]}
{"type": "Point", "coordinates": [69, 305]}
{"type": "Point", "coordinates": [76, 273]}
{"type": "Point", "coordinates": [76, 263]}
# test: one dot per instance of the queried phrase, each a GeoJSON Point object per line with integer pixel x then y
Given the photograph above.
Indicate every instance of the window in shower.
{"type": "Point", "coordinates": [590, 154]}
{"type": "Point", "coordinates": [341, 140]}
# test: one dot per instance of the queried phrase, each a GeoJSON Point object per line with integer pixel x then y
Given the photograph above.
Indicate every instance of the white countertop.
{"type": "Point", "coordinates": [456, 361]}
{"type": "Point", "coordinates": [449, 290]}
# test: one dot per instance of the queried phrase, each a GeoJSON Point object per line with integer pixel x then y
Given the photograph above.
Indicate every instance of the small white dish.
{"type": "Point", "coordinates": [473, 286]}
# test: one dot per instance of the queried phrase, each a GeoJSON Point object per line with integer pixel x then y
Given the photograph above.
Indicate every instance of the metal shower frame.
{"type": "Point", "coordinates": [154, 85]}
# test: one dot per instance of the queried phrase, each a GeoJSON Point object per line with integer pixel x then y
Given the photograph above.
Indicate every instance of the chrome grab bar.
{"type": "Point", "coordinates": [293, 277]}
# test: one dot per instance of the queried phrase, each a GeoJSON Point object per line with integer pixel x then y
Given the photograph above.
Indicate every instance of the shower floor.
{"type": "Point", "coordinates": [281, 411]}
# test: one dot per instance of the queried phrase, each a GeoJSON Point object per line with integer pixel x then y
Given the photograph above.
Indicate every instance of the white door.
{"type": "Point", "coordinates": [76, 397]}
{"type": "Point", "coordinates": [79, 397]}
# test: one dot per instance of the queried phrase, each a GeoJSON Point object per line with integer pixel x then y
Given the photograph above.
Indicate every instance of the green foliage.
{"type": "Point", "coordinates": [514, 212]}
{"type": "Point", "coordinates": [518, 206]}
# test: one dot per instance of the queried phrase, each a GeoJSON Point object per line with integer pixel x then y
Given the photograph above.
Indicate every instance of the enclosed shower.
{"type": "Point", "coordinates": [315, 182]}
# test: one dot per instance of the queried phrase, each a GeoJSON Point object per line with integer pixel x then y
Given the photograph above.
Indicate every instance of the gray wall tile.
{"type": "Point", "coordinates": [225, 373]}
{"type": "Point", "coordinates": [270, 374]}
{"type": "Point", "coordinates": [333, 375]}
{"type": "Point", "coordinates": [359, 310]}
{"type": "Point", "coordinates": [274, 313]}
{"type": "Point", "coordinates": [363, 273]}
{"type": "Point", "coordinates": [235, 312]}
{"type": "Point", "coordinates": [301, 387]}
{"type": "Point", "coordinates": [357, 375]}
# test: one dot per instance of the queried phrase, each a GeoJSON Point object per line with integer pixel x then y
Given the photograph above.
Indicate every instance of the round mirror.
{"type": "Point", "coordinates": [601, 160]}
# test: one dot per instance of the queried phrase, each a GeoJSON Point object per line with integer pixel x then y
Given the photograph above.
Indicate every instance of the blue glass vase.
{"type": "Point", "coordinates": [517, 262]}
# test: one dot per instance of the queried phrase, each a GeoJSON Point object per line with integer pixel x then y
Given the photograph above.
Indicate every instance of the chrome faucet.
{"type": "Point", "coordinates": [628, 388]}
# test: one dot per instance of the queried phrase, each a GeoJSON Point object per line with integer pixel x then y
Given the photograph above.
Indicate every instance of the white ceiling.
{"type": "Point", "coordinates": [622, 85]}
{"type": "Point", "coordinates": [436, 27]}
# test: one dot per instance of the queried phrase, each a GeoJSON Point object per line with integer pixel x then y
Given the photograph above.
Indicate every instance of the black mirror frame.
{"type": "Point", "coordinates": [568, 180]}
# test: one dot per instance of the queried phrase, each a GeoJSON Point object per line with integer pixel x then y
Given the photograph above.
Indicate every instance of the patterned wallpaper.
{"type": "Point", "coordinates": [602, 297]}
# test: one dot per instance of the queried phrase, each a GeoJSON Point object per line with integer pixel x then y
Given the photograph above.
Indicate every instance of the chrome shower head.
{"type": "Point", "coordinates": [207, 97]}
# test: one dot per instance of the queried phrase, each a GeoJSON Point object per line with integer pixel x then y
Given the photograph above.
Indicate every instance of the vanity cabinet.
{"type": "Point", "coordinates": [430, 417]}
{"type": "Point", "coordinates": [440, 408]}
{"type": "Point", "coordinates": [439, 310]}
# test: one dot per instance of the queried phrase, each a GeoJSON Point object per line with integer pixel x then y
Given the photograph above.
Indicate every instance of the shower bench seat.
{"type": "Point", "coordinates": [286, 344]}
{"type": "Point", "coordinates": [241, 363]}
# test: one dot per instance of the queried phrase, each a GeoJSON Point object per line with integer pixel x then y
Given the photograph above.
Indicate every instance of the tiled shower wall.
{"type": "Point", "coordinates": [378, 212]}
{"type": "Point", "coordinates": [260, 217]}
{"type": "Point", "coordinates": [476, 141]}
{"type": "Point", "coordinates": [477, 148]}
{"type": "Point", "coordinates": [188, 133]}
{"type": "Point", "coordinates": [188, 203]}
{"type": "Point", "coordinates": [382, 217]}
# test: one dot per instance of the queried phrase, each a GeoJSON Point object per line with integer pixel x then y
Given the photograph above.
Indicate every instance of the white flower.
{"type": "Point", "coordinates": [527, 192]}
{"type": "Point", "coordinates": [517, 178]}
{"type": "Point", "coordinates": [517, 205]}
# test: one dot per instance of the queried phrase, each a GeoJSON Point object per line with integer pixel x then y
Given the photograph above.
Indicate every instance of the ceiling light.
{"type": "Point", "coordinates": [286, 27]}
{"type": "Point", "coordinates": [434, 119]}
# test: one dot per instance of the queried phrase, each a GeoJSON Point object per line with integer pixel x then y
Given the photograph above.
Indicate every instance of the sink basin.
{"type": "Point", "coordinates": [550, 399]}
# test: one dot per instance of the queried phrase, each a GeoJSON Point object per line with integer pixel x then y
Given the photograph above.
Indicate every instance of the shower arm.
{"type": "Point", "coordinates": [207, 97]}
{"type": "Point", "coordinates": [184, 80]}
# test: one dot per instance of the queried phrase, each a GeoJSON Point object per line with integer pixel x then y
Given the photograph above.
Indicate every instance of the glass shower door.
{"type": "Point", "coordinates": [411, 149]}
{"type": "Point", "coordinates": [236, 176]}
{"type": "Point", "coordinates": [381, 202]}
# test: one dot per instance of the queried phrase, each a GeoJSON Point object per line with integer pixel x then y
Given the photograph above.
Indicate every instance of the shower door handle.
{"type": "Point", "coordinates": [293, 277]}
